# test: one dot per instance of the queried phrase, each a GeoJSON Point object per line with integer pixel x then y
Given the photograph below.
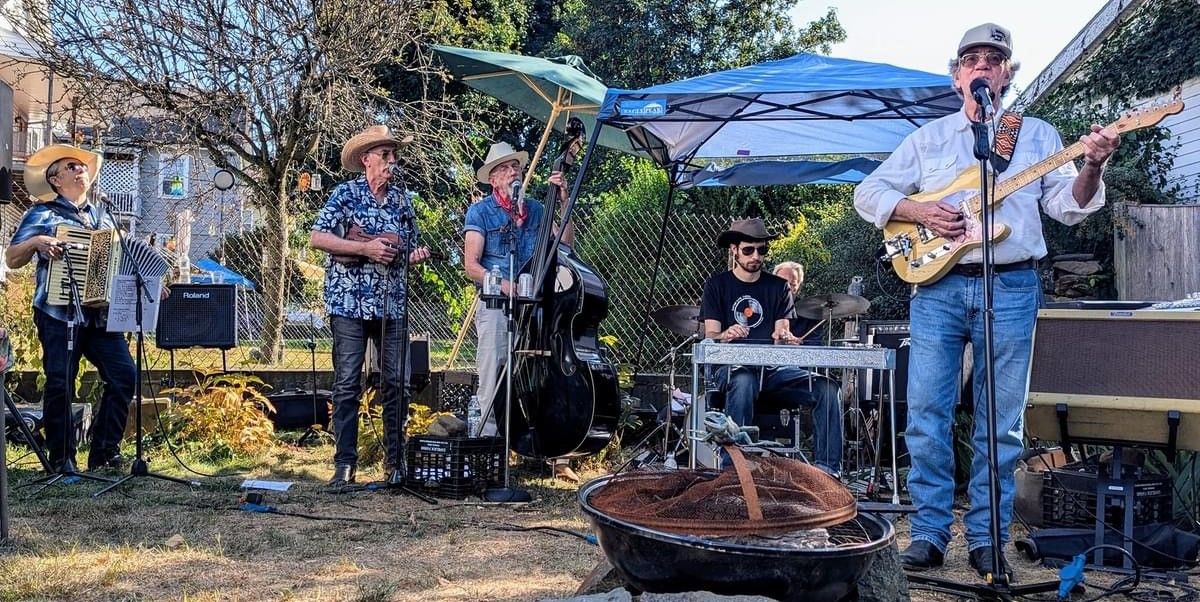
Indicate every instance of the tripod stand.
{"type": "Point", "coordinates": [139, 467]}
{"type": "Point", "coordinates": [66, 472]}
{"type": "Point", "coordinates": [26, 432]}
{"type": "Point", "coordinates": [311, 433]}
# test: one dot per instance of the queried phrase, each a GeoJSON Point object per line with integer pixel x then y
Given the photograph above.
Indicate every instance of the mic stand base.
{"type": "Point", "coordinates": [140, 468]}
{"type": "Point", "coordinates": [64, 475]}
{"type": "Point", "coordinates": [981, 591]}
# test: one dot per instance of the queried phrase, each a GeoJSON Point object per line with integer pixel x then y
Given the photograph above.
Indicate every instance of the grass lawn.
{"type": "Point", "coordinates": [156, 540]}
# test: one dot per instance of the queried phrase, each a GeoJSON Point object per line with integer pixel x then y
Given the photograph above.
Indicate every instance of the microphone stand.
{"type": "Point", "coordinates": [67, 473]}
{"type": "Point", "coordinates": [508, 493]}
{"type": "Point", "coordinates": [997, 586]}
{"type": "Point", "coordinates": [139, 467]}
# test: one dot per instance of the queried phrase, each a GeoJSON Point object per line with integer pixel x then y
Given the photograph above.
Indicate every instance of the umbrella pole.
{"type": "Point", "coordinates": [555, 109]}
{"type": "Point", "coordinates": [462, 334]}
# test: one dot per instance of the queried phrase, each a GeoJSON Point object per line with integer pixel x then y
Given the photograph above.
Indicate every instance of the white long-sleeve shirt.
{"type": "Point", "coordinates": [931, 157]}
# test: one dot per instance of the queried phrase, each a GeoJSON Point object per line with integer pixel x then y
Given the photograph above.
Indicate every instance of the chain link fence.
{"type": "Point", "coordinates": [224, 237]}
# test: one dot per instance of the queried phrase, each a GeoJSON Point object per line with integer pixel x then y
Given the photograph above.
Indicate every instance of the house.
{"type": "Point", "coordinates": [1184, 127]}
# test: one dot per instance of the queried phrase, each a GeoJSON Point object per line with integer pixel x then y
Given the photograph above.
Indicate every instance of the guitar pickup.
{"type": "Point", "coordinates": [925, 234]}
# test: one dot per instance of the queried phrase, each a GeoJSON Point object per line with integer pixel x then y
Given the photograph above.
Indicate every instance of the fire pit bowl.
{"type": "Point", "coordinates": [650, 560]}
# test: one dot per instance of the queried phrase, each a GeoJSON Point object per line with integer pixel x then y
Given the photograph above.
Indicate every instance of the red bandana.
{"type": "Point", "coordinates": [507, 206]}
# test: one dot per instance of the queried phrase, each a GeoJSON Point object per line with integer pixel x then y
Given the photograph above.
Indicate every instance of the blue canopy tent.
{"type": "Point", "coordinates": [804, 106]}
{"type": "Point", "coordinates": [213, 268]}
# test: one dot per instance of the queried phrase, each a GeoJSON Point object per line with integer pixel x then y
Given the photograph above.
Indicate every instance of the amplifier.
{"type": "Point", "coordinates": [198, 315]}
{"type": "Point", "coordinates": [892, 334]}
{"type": "Point", "coordinates": [1117, 373]}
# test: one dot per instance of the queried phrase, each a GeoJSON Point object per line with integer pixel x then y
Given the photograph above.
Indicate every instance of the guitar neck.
{"type": "Point", "coordinates": [1029, 175]}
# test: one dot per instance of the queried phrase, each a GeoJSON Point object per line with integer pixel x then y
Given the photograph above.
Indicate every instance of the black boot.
{"type": "Point", "coordinates": [921, 555]}
{"type": "Point", "coordinates": [343, 474]}
{"type": "Point", "coordinates": [981, 561]}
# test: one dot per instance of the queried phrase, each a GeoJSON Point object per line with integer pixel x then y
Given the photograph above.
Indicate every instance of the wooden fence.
{"type": "Point", "coordinates": [1156, 251]}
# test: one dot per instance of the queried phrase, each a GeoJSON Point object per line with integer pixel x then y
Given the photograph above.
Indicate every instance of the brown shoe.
{"type": "Point", "coordinates": [563, 472]}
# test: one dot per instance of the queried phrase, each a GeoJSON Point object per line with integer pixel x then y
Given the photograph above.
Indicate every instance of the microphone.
{"type": "Point", "coordinates": [516, 195]}
{"type": "Point", "coordinates": [983, 95]}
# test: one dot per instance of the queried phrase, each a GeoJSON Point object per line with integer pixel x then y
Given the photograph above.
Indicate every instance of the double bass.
{"type": "Point", "coordinates": [566, 399]}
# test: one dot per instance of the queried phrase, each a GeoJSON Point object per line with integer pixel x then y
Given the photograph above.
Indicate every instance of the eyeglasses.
{"type": "Point", "coordinates": [385, 154]}
{"type": "Point", "coordinates": [748, 251]}
{"type": "Point", "coordinates": [970, 59]}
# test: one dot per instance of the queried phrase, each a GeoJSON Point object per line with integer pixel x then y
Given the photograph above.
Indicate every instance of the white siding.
{"type": "Point", "coordinates": [1185, 143]}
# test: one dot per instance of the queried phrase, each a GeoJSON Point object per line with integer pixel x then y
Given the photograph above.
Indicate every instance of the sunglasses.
{"type": "Point", "coordinates": [69, 166]}
{"type": "Point", "coordinates": [750, 250]}
{"type": "Point", "coordinates": [385, 154]}
{"type": "Point", "coordinates": [970, 59]}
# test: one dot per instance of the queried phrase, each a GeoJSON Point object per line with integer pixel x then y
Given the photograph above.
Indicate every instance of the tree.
{"type": "Point", "coordinates": [264, 88]}
{"type": "Point", "coordinates": [644, 42]}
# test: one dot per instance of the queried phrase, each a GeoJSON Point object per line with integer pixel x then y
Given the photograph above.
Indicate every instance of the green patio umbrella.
{"type": "Point", "coordinates": [550, 90]}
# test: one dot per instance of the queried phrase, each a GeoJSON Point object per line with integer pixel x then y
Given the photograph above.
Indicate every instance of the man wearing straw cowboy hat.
{"type": "Point", "coordinates": [492, 227]}
{"type": "Point", "coordinates": [58, 178]}
{"type": "Point", "coordinates": [364, 292]}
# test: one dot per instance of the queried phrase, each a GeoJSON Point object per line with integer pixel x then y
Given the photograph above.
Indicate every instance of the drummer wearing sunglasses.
{"type": "Point", "coordinates": [747, 305]}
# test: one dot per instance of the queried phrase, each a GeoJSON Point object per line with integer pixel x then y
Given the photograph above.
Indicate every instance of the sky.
{"type": "Point", "coordinates": [924, 34]}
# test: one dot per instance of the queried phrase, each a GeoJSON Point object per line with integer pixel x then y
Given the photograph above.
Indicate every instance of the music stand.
{"type": "Point", "coordinates": [67, 472]}
{"type": "Point", "coordinates": [139, 467]}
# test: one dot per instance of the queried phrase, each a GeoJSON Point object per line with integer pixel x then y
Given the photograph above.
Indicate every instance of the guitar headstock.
{"type": "Point", "coordinates": [1149, 115]}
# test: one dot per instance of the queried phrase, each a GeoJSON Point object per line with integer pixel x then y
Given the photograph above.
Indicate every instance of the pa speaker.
{"type": "Point", "coordinates": [198, 315]}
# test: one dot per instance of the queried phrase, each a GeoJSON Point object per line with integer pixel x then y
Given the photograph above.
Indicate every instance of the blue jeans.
{"type": "Point", "coordinates": [109, 353]}
{"type": "Point", "coordinates": [350, 338]}
{"type": "Point", "coordinates": [793, 384]}
{"type": "Point", "coordinates": [945, 316]}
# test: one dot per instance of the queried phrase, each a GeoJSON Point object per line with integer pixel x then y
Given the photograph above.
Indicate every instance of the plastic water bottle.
{"type": "Point", "coordinates": [474, 416]}
{"type": "Point", "coordinates": [491, 283]}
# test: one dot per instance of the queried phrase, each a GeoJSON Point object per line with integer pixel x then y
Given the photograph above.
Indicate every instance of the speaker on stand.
{"type": "Point", "coordinates": [198, 315]}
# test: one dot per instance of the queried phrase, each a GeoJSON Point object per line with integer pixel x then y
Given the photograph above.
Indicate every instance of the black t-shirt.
{"type": "Point", "coordinates": [755, 305]}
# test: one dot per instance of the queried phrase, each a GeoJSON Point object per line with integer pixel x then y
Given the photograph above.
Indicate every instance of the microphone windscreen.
{"type": "Point", "coordinates": [978, 84]}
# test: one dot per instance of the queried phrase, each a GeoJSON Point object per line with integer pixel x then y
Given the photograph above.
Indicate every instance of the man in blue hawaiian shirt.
{"type": "Point", "coordinates": [363, 227]}
{"type": "Point", "coordinates": [58, 177]}
{"type": "Point", "coordinates": [493, 227]}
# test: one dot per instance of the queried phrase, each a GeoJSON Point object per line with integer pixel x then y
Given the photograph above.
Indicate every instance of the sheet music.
{"type": "Point", "coordinates": [122, 311]}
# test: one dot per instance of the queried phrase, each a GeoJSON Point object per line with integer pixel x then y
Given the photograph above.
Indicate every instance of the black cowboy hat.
{"type": "Point", "coordinates": [745, 229]}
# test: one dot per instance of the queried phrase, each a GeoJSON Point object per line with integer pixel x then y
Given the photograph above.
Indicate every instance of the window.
{"type": "Point", "coordinates": [173, 172]}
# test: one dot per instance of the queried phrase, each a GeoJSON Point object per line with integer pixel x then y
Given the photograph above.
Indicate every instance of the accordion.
{"type": "Point", "coordinates": [96, 259]}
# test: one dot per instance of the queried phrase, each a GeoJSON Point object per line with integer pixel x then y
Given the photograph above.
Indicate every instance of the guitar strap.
{"type": "Point", "coordinates": [1006, 140]}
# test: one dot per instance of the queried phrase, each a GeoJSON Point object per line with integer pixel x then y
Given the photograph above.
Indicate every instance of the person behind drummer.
{"type": "Point", "coordinates": [805, 329]}
{"type": "Point", "coordinates": [745, 305]}
{"type": "Point", "coordinates": [366, 299]}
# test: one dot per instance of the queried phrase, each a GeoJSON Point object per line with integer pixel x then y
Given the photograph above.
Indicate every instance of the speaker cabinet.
{"type": "Point", "coordinates": [198, 315]}
{"type": "Point", "coordinates": [1117, 374]}
{"type": "Point", "coordinates": [892, 334]}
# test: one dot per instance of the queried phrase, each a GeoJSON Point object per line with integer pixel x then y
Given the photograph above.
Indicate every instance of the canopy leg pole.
{"type": "Point", "coordinates": [658, 249]}
{"type": "Point", "coordinates": [537, 154]}
{"type": "Point", "coordinates": [462, 333]}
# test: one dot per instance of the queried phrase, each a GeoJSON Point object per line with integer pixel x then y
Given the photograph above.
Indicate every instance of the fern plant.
{"type": "Point", "coordinates": [225, 415]}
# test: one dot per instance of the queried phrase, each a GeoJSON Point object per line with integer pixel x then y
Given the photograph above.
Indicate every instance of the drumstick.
{"type": "Point", "coordinates": [810, 330]}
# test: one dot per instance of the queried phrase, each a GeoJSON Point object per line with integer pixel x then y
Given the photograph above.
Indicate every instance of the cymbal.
{"type": "Point", "coordinates": [836, 305]}
{"type": "Point", "coordinates": [680, 319]}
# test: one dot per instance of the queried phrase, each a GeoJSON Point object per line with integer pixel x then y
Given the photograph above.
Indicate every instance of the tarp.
{"type": "Point", "coordinates": [774, 173]}
{"type": "Point", "coordinates": [804, 105]}
{"type": "Point", "coordinates": [211, 271]}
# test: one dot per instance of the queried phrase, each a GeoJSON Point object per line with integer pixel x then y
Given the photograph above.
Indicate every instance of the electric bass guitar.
{"type": "Point", "coordinates": [920, 256]}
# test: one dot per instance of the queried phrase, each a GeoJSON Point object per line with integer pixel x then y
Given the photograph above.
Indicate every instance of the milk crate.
{"type": "Point", "coordinates": [454, 467]}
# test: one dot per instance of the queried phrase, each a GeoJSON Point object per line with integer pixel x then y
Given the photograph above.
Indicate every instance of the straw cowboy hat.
{"type": "Point", "coordinates": [376, 135]}
{"type": "Point", "coordinates": [37, 164]}
{"type": "Point", "coordinates": [745, 229]}
{"type": "Point", "coordinates": [500, 152]}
